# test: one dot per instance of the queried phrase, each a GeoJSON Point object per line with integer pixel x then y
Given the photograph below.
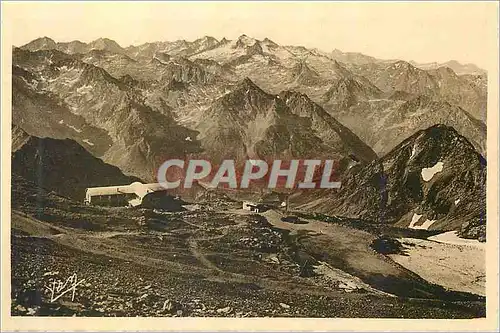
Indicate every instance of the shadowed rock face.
{"type": "Point", "coordinates": [394, 188]}
{"type": "Point", "coordinates": [62, 166]}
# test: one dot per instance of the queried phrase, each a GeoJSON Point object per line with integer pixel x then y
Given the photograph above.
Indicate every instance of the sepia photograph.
{"type": "Point", "coordinates": [234, 160]}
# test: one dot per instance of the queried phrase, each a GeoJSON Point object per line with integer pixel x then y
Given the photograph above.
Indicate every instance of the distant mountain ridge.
{"type": "Point", "coordinates": [456, 66]}
{"type": "Point", "coordinates": [183, 48]}
{"type": "Point", "coordinates": [118, 96]}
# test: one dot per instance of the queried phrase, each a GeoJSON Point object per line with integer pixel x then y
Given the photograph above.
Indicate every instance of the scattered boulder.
{"type": "Point", "coordinates": [292, 219]}
{"type": "Point", "coordinates": [386, 245]}
{"type": "Point", "coordinates": [170, 306]}
{"type": "Point", "coordinates": [226, 310]}
{"type": "Point", "coordinates": [285, 306]}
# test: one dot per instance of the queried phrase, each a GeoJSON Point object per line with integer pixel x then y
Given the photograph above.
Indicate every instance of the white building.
{"type": "Point", "coordinates": [130, 195]}
{"type": "Point", "coordinates": [251, 206]}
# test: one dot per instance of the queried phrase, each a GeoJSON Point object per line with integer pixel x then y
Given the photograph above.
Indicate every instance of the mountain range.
{"type": "Point", "coordinates": [137, 106]}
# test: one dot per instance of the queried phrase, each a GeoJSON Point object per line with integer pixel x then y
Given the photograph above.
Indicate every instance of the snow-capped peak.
{"type": "Point", "coordinates": [245, 41]}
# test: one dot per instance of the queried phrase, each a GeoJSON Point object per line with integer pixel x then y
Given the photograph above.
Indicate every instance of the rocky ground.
{"type": "Point", "coordinates": [211, 262]}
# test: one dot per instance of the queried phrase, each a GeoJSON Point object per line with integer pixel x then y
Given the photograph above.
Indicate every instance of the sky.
{"type": "Point", "coordinates": [423, 32]}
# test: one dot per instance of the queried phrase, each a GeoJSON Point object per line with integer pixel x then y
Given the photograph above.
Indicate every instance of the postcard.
{"type": "Point", "coordinates": [250, 166]}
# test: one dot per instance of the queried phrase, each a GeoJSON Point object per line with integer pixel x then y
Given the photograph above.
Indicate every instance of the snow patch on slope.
{"type": "Point", "coordinates": [428, 173]}
{"type": "Point", "coordinates": [415, 218]}
{"type": "Point", "coordinates": [74, 128]}
{"type": "Point", "coordinates": [413, 151]}
{"type": "Point", "coordinates": [84, 89]}
{"type": "Point", "coordinates": [424, 226]}
{"type": "Point", "coordinates": [451, 237]}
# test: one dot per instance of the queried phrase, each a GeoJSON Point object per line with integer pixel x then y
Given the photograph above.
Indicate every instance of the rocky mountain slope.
{"type": "Point", "coordinates": [400, 118]}
{"type": "Point", "coordinates": [250, 123]}
{"type": "Point", "coordinates": [441, 83]}
{"type": "Point", "coordinates": [42, 114]}
{"type": "Point", "coordinates": [433, 180]}
{"type": "Point", "coordinates": [62, 166]}
{"type": "Point", "coordinates": [109, 116]}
